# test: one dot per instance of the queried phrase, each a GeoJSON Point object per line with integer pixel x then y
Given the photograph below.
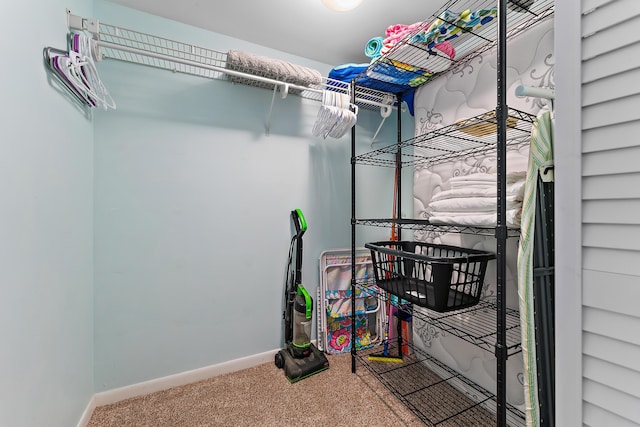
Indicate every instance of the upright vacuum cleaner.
{"type": "Point", "coordinates": [299, 358]}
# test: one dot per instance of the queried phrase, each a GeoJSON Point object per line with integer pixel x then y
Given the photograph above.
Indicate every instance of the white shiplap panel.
{"type": "Point", "coordinates": [614, 325]}
{"type": "Point", "coordinates": [617, 377]}
{"type": "Point", "coordinates": [614, 400]}
{"type": "Point", "coordinates": [611, 211]}
{"type": "Point", "coordinates": [612, 292]}
{"type": "Point", "coordinates": [623, 160]}
{"type": "Point", "coordinates": [589, 5]}
{"type": "Point", "coordinates": [623, 34]}
{"type": "Point", "coordinates": [609, 113]}
{"type": "Point", "coordinates": [614, 87]}
{"type": "Point", "coordinates": [611, 63]}
{"type": "Point", "coordinates": [595, 416]}
{"type": "Point", "coordinates": [610, 121]}
{"type": "Point", "coordinates": [611, 137]}
{"type": "Point", "coordinates": [611, 236]}
{"type": "Point", "coordinates": [622, 186]}
{"type": "Point", "coordinates": [617, 352]}
{"type": "Point", "coordinates": [610, 261]}
{"type": "Point", "coordinates": [609, 16]}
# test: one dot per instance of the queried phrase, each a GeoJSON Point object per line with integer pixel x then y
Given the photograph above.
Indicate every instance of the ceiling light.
{"type": "Point", "coordinates": [341, 5]}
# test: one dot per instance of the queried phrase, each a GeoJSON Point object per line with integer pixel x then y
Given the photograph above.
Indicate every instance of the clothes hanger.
{"type": "Point", "coordinates": [58, 62]}
{"type": "Point", "coordinates": [83, 46]}
{"type": "Point", "coordinates": [335, 116]}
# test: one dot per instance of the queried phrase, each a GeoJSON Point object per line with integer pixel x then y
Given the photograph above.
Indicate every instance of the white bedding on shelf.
{"type": "Point", "coordinates": [472, 201]}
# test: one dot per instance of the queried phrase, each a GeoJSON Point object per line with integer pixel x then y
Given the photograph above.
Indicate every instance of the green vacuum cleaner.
{"type": "Point", "coordinates": [299, 358]}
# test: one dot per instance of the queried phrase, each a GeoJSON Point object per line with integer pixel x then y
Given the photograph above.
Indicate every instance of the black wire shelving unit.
{"type": "Point", "coordinates": [491, 326]}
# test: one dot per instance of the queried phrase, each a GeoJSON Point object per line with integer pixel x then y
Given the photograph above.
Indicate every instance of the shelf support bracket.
{"type": "Point", "coordinates": [385, 111]}
{"type": "Point", "coordinates": [284, 89]}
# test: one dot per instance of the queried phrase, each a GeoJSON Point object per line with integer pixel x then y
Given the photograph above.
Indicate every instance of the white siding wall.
{"type": "Point", "coordinates": [610, 212]}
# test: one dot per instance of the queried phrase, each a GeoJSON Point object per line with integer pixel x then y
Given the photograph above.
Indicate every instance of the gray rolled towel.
{"type": "Point", "coordinates": [271, 68]}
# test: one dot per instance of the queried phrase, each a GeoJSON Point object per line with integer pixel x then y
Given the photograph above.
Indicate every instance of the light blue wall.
{"type": "Point", "coordinates": [189, 212]}
{"type": "Point", "coordinates": [46, 223]}
{"type": "Point", "coordinates": [192, 208]}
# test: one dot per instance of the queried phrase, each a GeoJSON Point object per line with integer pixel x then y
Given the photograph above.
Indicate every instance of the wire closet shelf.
{"type": "Point", "coordinates": [475, 325]}
{"type": "Point", "coordinates": [412, 56]}
{"type": "Point", "coordinates": [463, 138]}
{"type": "Point", "coordinates": [423, 225]}
{"type": "Point", "coordinates": [115, 42]}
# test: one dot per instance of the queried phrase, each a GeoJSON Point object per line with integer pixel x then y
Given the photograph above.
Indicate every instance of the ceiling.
{"type": "Point", "coordinates": [304, 28]}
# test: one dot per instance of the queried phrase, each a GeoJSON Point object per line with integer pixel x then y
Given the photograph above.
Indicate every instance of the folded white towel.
{"type": "Point", "coordinates": [487, 178]}
{"type": "Point", "coordinates": [476, 220]}
{"type": "Point", "coordinates": [516, 189]}
{"type": "Point", "coordinates": [472, 204]}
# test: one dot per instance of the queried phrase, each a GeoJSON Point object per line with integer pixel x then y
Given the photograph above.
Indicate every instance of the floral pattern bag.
{"type": "Point", "coordinates": [334, 294]}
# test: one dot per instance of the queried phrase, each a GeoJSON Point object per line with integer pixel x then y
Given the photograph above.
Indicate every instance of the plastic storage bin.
{"type": "Point", "coordinates": [438, 277]}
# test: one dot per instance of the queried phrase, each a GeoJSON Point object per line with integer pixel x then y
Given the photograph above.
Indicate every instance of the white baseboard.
{"type": "Point", "coordinates": [158, 384]}
{"type": "Point", "coordinates": [86, 415]}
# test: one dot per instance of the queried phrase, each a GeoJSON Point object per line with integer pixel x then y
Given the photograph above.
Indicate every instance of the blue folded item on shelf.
{"type": "Point", "coordinates": [397, 83]}
{"type": "Point", "coordinates": [408, 99]}
{"type": "Point", "coordinates": [347, 72]}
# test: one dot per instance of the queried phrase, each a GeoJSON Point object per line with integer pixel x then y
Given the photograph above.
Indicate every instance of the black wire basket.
{"type": "Point", "coordinates": [439, 277]}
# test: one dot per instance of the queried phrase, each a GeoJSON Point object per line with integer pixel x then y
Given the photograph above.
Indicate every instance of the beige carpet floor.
{"type": "Point", "coordinates": [262, 396]}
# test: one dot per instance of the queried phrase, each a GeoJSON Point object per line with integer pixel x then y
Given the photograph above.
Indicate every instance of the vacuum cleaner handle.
{"type": "Point", "coordinates": [299, 222]}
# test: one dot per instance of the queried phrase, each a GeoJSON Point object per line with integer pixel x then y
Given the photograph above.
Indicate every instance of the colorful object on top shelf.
{"type": "Point", "coordinates": [450, 25]}
{"type": "Point", "coordinates": [399, 73]}
{"type": "Point", "coordinates": [395, 33]}
{"type": "Point", "coordinates": [373, 48]}
{"type": "Point", "coordinates": [377, 47]}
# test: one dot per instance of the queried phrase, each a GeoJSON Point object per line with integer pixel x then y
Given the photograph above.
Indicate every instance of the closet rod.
{"type": "Point", "coordinates": [78, 23]}
{"type": "Point", "coordinates": [536, 92]}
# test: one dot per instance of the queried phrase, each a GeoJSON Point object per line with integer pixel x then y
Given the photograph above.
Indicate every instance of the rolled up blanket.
{"type": "Point", "coordinates": [271, 68]}
{"type": "Point", "coordinates": [396, 33]}
{"type": "Point", "coordinates": [373, 47]}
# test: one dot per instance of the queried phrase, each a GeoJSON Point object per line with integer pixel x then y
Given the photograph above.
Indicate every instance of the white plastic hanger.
{"type": "Point", "coordinates": [335, 116]}
{"type": "Point", "coordinates": [60, 63]}
{"type": "Point", "coordinates": [85, 69]}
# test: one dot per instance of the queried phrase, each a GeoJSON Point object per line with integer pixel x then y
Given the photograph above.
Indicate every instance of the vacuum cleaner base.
{"type": "Point", "coordinates": [296, 369]}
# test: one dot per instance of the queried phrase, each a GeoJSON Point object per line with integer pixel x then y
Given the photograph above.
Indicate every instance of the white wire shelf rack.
{"type": "Point", "coordinates": [118, 43]}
